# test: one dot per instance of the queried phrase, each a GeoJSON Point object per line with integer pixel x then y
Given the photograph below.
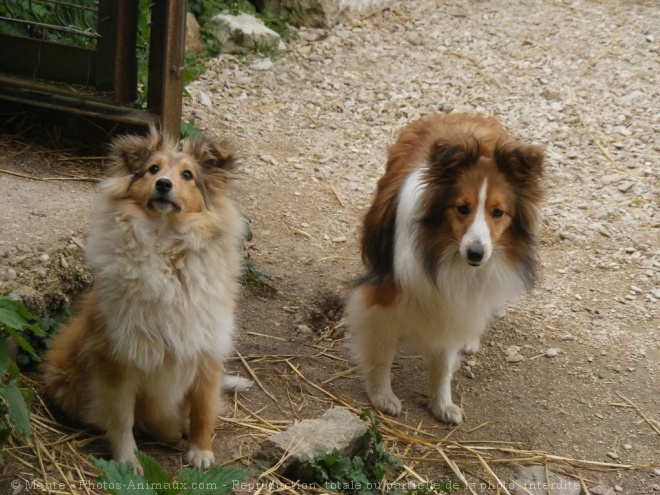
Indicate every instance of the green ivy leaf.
{"type": "Point", "coordinates": [13, 314]}
{"type": "Point", "coordinates": [119, 479]}
{"type": "Point", "coordinates": [17, 408]}
{"type": "Point", "coordinates": [4, 355]}
{"type": "Point", "coordinates": [25, 345]}
{"type": "Point", "coordinates": [156, 476]}
{"type": "Point", "coordinates": [219, 480]}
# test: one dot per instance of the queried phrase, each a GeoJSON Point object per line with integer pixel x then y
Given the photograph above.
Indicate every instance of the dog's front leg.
{"type": "Point", "coordinates": [204, 401]}
{"type": "Point", "coordinates": [113, 409]}
{"type": "Point", "coordinates": [441, 368]}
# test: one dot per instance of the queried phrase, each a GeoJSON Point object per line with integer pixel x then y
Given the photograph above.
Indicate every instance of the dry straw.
{"type": "Point", "coordinates": [57, 458]}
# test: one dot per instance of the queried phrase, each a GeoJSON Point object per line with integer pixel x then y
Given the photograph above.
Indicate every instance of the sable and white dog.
{"type": "Point", "coordinates": [148, 345]}
{"type": "Point", "coordinates": [450, 237]}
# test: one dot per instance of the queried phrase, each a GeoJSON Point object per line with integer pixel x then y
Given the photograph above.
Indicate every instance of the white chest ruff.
{"type": "Point", "coordinates": [159, 297]}
{"type": "Point", "coordinates": [456, 307]}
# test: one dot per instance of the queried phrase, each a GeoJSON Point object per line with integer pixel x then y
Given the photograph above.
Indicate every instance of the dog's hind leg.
{"type": "Point", "coordinates": [375, 339]}
{"type": "Point", "coordinates": [440, 370]}
{"type": "Point", "coordinates": [204, 402]}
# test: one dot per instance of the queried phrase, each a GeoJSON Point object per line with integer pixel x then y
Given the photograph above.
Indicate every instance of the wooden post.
{"type": "Point", "coordinates": [166, 61]}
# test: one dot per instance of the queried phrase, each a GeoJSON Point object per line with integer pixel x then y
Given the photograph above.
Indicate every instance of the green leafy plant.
{"type": "Point", "coordinates": [78, 17]}
{"type": "Point", "coordinates": [365, 475]}
{"type": "Point", "coordinates": [281, 23]}
{"type": "Point", "coordinates": [356, 475]}
{"type": "Point", "coordinates": [119, 479]}
{"type": "Point", "coordinates": [14, 320]}
{"type": "Point", "coordinates": [190, 130]}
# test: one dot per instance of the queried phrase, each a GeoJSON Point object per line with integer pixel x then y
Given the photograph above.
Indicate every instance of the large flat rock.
{"type": "Point", "coordinates": [338, 428]}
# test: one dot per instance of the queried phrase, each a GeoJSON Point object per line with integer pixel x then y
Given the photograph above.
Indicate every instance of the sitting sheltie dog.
{"type": "Point", "coordinates": [148, 345]}
{"type": "Point", "coordinates": [450, 237]}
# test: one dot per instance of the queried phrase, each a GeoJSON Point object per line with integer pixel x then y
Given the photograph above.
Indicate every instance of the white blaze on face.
{"type": "Point", "coordinates": [476, 246]}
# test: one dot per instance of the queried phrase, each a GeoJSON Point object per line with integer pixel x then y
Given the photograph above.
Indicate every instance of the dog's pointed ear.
{"type": "Point", "coordinates": [129, 153]}
{"type": "Point", "coordinates": [211, 154]}
{"type": "Point", "coordinates": [523, 166]}
{"type": "Point", "coordinates": [520, 162]}
{"type": "Point", "coordinates": [447, 157]}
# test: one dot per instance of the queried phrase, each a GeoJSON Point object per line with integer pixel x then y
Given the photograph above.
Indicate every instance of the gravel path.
{"type": "Point", "coordinates": [580, 77]}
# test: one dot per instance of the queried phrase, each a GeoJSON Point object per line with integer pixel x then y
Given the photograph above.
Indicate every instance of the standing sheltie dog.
{"type": "Point", "coordinates": [148, 345]}
{"type": "Point", "coordinates": [449, 237]}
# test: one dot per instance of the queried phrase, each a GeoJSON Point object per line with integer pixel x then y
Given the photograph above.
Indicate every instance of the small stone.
{"type": "Point", "coordinates": [305, 329]}
{"type": "Point", "coordinates": [552, 352]}
{"type": "Point", "coordinates": [618, 488]}
{"type": "Point", "coordinates": [612, 455]}
{"type": "Point", "coordinates": [3, 276]}
{"type": "Point", "coordinates": [338, 239]}
{"type": "Point", "coordinates": [44, 258]}
{"type": "Point", "coordinates": [600, 490]}
{"type": "Point", "coordinates": [627, 446]}
{"type": "Point", "coordinates": [566, 337]}
{"type": "Point", "coordinates": [42, 273]}
{"type": "Point", "coordinates": [516, 358]}
{"type": "Point", "coordinates": [263, 64]}
{"type": "Point", "coordinates": [539, 476]}
{"type": "Point", "coordinates": [656, 472]}
{"type": "Point", "coordinates": [656, 488]}
{"type": "Point", "coordinates": [11, 274]}
{"type": "Point", "coordinates": [203, 98]}
{"type": "Point", "coordinates": [511, 350]}
{"type": "Point", "coordinates": [63, 263]}
{"type": "Point", "coordinates": [625, 186]}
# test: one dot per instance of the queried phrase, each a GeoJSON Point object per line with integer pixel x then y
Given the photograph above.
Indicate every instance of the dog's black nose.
{"type": "Point", "coordinates": [163, 185]}
{"type": "Point", "coordinates": [475, 254]}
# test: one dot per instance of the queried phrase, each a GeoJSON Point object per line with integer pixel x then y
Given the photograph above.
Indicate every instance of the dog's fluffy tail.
{"type": "Point", "coordinates": [233, 383]}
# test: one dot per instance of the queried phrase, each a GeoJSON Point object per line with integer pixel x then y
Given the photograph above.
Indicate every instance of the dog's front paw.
{"type": "Point", "coordinates": [132, 461]}
{"type": "Point", "coordinates": [500, 312]}
{"type": "Point", "coordinates": [386, 402]}
{"type": "Point", "coordinates": [472, 347]}
{"type": "Point", "coordinates": [450, 414]}
{"type": "Point", "coordinates": [202, 459]}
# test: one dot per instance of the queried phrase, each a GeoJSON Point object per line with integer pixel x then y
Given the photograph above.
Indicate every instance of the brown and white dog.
{"type": "Point", "coordinates": [450, 237]}
{"type": "Point", "coordinates": [148, 344]}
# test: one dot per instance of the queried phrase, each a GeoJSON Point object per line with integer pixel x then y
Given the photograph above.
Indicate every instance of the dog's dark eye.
{"type": "Point", "coordinates": [497, 213]}
{"type": "Point", "coordinates": [153, 170]}
{"type": "Point", "coordinates": [463, 209]}
{"type": "Point", "coordinates": [187, 175]}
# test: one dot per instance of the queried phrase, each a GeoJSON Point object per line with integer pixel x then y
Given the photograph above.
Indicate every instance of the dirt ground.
{"type": "Point", "coordinates": [580, 77]}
